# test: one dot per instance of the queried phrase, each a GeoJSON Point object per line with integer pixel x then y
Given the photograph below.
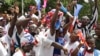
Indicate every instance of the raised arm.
{"type": "Point", "coordinates": [67, 26]}
{"type": "Point", "coordinates": [21, 24]}
{"type": "Point", "coordinates": [13, 22]}
{"type": "Point", "coordinates": [52, 26]}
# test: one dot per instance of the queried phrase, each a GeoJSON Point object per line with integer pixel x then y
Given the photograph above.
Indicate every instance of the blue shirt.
{"type": "Point", "coordinates": [60, 40]}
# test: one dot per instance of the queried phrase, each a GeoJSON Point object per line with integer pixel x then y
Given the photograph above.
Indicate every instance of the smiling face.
{"type": "Point", "coordinates": [85, 20]}
{"type": "Point", "coordinates": [33, 29]}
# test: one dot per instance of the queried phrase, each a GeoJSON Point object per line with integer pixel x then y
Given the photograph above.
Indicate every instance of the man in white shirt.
{"type": "Point", "coordinates": [73, 42]}
{"type": "Point", "coordinates": [26, 46]}
{"type": "Point", "coordinates": [45, 45]}
{"type": "Point", "coordinates": [3, 51]}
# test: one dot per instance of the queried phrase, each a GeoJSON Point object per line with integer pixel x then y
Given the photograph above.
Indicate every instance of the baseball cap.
{"type": "Point", "coordinates": [21, 18]}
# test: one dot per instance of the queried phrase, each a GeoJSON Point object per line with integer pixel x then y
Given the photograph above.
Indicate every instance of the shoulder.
{"type": "Point", "coordinates": [18, 53]}
{"type": "Point", "coordinates": [96, 50]}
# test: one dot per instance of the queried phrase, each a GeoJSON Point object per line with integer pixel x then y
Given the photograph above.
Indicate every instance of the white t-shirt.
{"type": "Point", "coordinates": [34, 16]}
{"type": "Point", "coordinates": [45, 48]}
{"type": "Point", "coordinates": [67, 36]}
{"type": "Point", "coordinates": [3, 51]}
{"type": "Point", "coordinates": [14, 40]}
{"type": "Point", "coordinates": [6, 39]}
{"type": "Point", "coordinates": [71, 47]}
{"type": "Point", "coordinates": [18, 53]}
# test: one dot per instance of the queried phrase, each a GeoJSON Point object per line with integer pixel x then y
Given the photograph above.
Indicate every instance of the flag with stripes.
{"type": "Point", "coordinates": [38, 3]}
{"type": "Point", "coordinates": [93, 22]}
{"type": "Point", "coordinates": [76, 12]}
{"type": "Point", "coordinates": [95, 16]}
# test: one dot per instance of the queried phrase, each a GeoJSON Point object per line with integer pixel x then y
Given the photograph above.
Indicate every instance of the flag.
{"type": "Point", "coordinates": [95, 16]}
{"type": "Point", "coordinates": [77, 9]}
{"type": "Point", "coordinates": [62, 8]}
{"type": "Point", "coordinates": [38, 3]}
{"type": "Point", "coordinates": [57, 24]}
{"type": "Point", "coordinates": [45, 4]}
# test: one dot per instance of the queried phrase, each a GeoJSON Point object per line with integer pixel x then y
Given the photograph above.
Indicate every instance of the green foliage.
{"type": "Point", "coordinates": [86, 10]}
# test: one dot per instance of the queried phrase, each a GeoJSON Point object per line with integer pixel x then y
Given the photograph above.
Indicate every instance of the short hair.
{"type": "Point", "coordinates": [90, 38]}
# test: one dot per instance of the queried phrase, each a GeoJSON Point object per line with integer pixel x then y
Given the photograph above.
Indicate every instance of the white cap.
{"type": "Point", "coordinates": [85, 17]}
{"type": "Point", "coordinates": [34, 25]}
{"type": "Point", "coordinates": [1, 18]}
{"type": "Point", "coordinates": [21, 18]}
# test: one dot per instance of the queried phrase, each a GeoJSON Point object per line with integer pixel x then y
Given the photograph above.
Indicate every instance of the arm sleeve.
{"type": "Point", "coordinates": [3, 51]}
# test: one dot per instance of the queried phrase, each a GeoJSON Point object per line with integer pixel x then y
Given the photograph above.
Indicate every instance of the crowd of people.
{"type": "Point", "coordinates": [40, 33]}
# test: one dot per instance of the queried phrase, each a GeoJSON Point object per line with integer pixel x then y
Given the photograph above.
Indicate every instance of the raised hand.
{"type": "Point", "coordinates": [65, 51]}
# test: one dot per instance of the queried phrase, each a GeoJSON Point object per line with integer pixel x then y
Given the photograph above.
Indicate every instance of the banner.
{"type": "Point", "coordinates": [38, 3]}
{"type": "Point", "coordinates": [45, 4]}
{"type": "Point", "coordinates": [62, 8]}
{"type": "Point", "coordinates": [77, 9]}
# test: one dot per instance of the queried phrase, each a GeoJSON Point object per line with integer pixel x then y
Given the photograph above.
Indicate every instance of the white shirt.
{"type": "Point", "coordinates": [71, 47]}
{"type": "Point", "coordinates": [6, 39]}
{"type": "Point", "coordinates": [18, 53]}
{"type": "Point", "coordinates": [67, 36]}
{"type": "Point", "coordinates": [3, 51]}
{"type": "Point", "coordinates": [45, 41]}
{"type": "Point", "coordinates": [34, 16]}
